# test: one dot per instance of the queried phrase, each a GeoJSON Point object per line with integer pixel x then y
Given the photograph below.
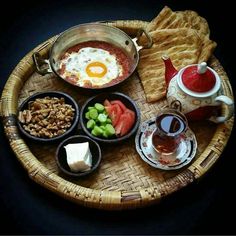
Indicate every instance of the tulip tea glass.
{"type": "Point", "coordinates": [170, 128]}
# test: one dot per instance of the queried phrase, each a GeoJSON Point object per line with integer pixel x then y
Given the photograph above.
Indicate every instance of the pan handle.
{"type": "Point", "coordinates": [149, 40]}
{"type": "Point", "coordinates": [42, 65]}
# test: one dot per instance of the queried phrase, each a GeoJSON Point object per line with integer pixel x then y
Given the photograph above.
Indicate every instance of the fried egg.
{"type": "Point", "coordinates": [89, 65]}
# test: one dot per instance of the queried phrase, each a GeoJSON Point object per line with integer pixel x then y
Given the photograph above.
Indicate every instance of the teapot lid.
{"type": "Point", "coordinates": [198, 78]}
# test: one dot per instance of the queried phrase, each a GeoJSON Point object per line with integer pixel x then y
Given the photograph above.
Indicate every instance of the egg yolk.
{"type": "Point", "coordinates": [96, 69]}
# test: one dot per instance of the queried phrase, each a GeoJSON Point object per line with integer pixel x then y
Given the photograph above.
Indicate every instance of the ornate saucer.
{"type": "Point", "coordinates": [183, 156]}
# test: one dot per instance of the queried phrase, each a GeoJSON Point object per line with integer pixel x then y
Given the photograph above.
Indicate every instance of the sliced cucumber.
{"type": "Point", "coordinates": [102, 118]}
{"type": "Point", "coordinates": [102, 127]}
{"type": "Point", "coordinates": [100, 108]}
{"type": "Point", "coordinates": [94, 133]}
{"type": "Point", "coordinates": [99, 124]}
{"type": "Point", "coordinates": [93, 114]}
{"type": "Point", "coordinates": [109, 121]}
{"type": "Point", "coordinates": [97, 130]}
{"type": "Point", "coordinates": [104, 134]}
{"type": "Point", "coordinates": [91, 124]}
{"type": "Point", "coordinates": [109, 130]}
{"type": "Point", "coordinates": [87, 116]}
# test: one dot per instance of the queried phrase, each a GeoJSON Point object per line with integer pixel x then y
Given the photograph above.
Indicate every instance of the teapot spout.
{"type": "Point", "coordinates": [170, 71]}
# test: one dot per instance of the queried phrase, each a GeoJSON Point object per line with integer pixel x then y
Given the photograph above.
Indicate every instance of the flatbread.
{"type": "Point", "coordinates": [130, 28]}
{"type": "Point", "coordinates": [200, 24]}
{"type": "Point", "coordinates": [167, 19]}
{"type": "Point", "coordinates": [194, 21]}
{"type": "Point", "coordinates": [165, 30]}
{"type": "Point", "coordinates": [182, 45]}
{"type": "Point", "coordinates": [208, 47]}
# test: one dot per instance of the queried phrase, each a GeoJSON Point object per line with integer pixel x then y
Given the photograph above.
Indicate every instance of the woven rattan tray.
{"type": "Point", "coordinates": [123, 179]}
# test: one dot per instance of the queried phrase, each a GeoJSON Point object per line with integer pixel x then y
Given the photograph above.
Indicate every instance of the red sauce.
{"type": "Point", "coordinates": [120, 55]}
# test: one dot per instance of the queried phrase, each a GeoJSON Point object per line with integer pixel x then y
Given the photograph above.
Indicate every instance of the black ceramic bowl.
{"type": "Point", "coordinates": [68, 100]}
{"type": "Point", "coordinates": [127, 101]}
{"type": "Point", "coordinates": [61, 155]}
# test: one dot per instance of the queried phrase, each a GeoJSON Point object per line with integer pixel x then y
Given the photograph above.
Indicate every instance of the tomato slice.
{"type": "Point", "coordinates": [106, 103]}
{"type": "Point", "coordinates": [129, 121]}
{"type": "Point", "coordinates": [122, 118]}
{"type": "Point", "coordinates": [108, 109]}
{"type": "Point", "coordinates": [114, 112]}
{"type": "Point", "coordinates": [132, 114]}
{"type": "Point", "coordinates": [125, 124]}
{"type": "Point", "coordinates": [121, 104]}
{"type": "Point", "coordinates": [119, 125]}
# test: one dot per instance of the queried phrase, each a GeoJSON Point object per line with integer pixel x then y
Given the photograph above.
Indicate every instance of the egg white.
{"type": "Point", "coordinates": [76, 63]}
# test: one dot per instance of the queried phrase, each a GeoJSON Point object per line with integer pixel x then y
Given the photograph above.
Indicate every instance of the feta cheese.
{"type": "Point", "coordinates": [78, 156]}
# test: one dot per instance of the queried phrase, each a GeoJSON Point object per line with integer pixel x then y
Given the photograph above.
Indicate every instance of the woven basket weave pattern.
{"type": "Point", "coordinates": [123, 180]}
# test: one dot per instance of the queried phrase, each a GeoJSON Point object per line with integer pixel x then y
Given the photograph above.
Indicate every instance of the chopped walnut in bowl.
{"type": "Point", "coordinates": [48, 116]}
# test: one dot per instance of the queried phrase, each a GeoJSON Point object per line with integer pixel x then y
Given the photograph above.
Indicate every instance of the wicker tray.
{"type": "Point", "coordinates": [123, 179]}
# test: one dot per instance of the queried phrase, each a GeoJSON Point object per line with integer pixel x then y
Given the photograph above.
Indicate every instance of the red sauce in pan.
{"type": "Point", "coordinates": [122, 59]}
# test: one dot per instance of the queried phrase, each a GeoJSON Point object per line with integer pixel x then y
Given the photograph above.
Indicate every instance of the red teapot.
{"type": "Point", "coordinates": [196, 91]}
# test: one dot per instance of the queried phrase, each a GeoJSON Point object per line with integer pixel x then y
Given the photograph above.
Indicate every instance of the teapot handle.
{"type": "Point", "coordinates": [230, 111]}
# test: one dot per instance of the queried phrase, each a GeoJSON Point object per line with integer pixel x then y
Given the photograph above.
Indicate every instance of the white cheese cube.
{"type": "Point", "coordinates": [78, 156]}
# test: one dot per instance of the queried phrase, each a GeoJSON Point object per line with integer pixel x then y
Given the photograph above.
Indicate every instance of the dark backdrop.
{"type": "Point", "coordinates": [205, 207]}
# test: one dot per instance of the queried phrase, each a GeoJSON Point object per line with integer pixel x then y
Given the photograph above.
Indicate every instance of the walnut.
{"type": "Point", "coordinates": [25, 116]}
{"type": "Point", "coordinates": [47, 117]}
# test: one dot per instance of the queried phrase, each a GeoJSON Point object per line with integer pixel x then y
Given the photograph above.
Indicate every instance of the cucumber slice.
{"type": "Point", "coordinates": [93, 114]}
{"type": "Point", "coordinates": [102, 118]}
{"type": "Point", "coordinates": [100, 108]}
{"type": "Point", "coordinates": [94, 133]}
{"type": "Point", "coordinates": [109, 121]}
{"type": "Point", "coordinates": [102, 127]}
{"type": "Point", "coordinates": [109, 130]}
{"type": "Point", "coordinates": [97, 131]}
{"type": "Point", "coordinates": [90, 124]}
{"type": "Point", "coordinates": [104, 134]}
{"type": "Point", "coordinates": [87, 116]}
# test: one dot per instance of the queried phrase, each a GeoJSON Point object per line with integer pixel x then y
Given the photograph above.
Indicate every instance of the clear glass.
{"type": "Point", "coordinates": [170, 127]}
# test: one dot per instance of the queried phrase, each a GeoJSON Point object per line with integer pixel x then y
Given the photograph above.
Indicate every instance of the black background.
{"type": "Point", "coordinates": [204, 207]}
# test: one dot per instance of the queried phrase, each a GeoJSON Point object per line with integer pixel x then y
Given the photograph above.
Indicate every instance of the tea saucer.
{"type": "Point", "coordinates": [183, 156]}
